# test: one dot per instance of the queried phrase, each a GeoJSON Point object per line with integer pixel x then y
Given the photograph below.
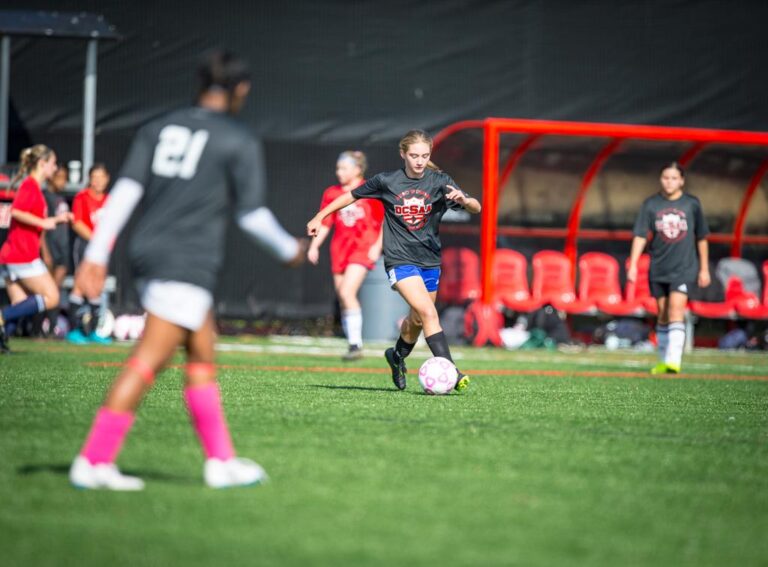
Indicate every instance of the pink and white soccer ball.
{"type": "Point", "coordinates": [438, 376]}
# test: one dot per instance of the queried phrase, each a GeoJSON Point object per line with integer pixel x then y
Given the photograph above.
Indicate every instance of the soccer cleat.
{"type": "Point", "coordinates": [462, 382]}
{"type": "Point", "coordinates": [354, 353]}
{"type": "Point", "coordinates": [233, 472]}
{"type": "Point", "coordinates": [104, 476]}
{"type": "Point", "coordinates": [397, 365]}
{"type": "Point", "coordinates": [98, 339]}
{"type": "Point", "coordinates": [663, 368]}
{"type": "Point", "coordinates": [76, 337]}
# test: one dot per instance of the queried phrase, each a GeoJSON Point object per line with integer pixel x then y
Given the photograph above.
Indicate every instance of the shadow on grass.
{"type": "Point", "coordinates": [362, 388]}
{"type": "Point", "coordinates": [63, 470]}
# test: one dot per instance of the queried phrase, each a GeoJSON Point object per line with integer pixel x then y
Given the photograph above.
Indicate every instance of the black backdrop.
{"type": "Point", "coordinates": [331, 75]}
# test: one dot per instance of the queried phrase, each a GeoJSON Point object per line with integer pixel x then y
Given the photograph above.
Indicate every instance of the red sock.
{"type": "Point", "coordinates": [204, 405]}
{"type": "Point", "coordinates": [106, 436]}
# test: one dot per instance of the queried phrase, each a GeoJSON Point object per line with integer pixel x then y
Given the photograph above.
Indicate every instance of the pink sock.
{"type": "Point", "coordinates": [106, 436]}
{"type": "Point", "coordinates": [204, 405]}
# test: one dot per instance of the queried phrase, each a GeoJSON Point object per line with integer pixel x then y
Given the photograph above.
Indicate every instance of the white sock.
{"type": "Point", "coordinates": [352, 322]}
{"type": "Point", "coordinates": [662, 338]}
{"type": "Point", "coordinates": [676, 344]}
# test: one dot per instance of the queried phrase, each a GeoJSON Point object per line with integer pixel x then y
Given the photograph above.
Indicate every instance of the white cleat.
{"type": "Point", "coordinates": [233, 472]}
{"type": "Point", "coordinates": [103, 476]}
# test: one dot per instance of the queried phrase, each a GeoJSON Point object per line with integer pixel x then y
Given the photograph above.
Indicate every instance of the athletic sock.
{"type": "Point", "coordinates": [204, 405]}
{"type": "Point", "coordinates": [76, 313]}
{"type": "Point", "coordinates": [676, 344]}
{"type": "Point", "coordinates": [438, 344]}
{"type": "Point", "coordinates": [662, 339]}
{"type": "Point", "coordinates": [32, 305]}
{"type": "Point", "coordinates": [92, 309]}
{"type": "Point", "coordinates": [352, 322]}
{"type": "Point", "coordinates": [402, 348]}
{"type": "Point", "coordinates": [106, 437]}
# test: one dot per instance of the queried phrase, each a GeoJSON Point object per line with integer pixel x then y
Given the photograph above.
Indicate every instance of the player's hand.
{"type": "Point", "coordinates": [704, 279]}
{"type": "Point", "coordinates": [313, 255]}
{"type": "Point", "coordinates": [90, 278]}
{"type": "Point", "coordinates": [632, 274]}
{"type": "Point", "coordinates": [456, 195]}
{"type": "Point", "coordinates": [313, 226]}
{"type": "Point", "coordinates": [48, 223]}
{"type": "Point", "coordinates": [64, 217]}
{"type": "Point", "coordinates": [301, 253]}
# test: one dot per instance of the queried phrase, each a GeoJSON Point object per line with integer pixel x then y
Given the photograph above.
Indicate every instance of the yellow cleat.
{"type": "Point", "coordinates": [672, 369]}
{"type": "Point", "coordinates": [462, 383]}
{"type": "Point", "coordinates": [660, 368]}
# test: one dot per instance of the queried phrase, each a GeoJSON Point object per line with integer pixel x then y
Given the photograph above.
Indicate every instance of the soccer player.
{"type": "Point", "coordinates": [87, 208]}
{"type": "Point", "coordinates": [679, 259]}
{"type": "Point", "coordinates": [355, 246]}
{"type": "Point", "coordinates": [57, 240]}
{"type": "Point", "coordinates": [415, 198]}
{"type": "Point", "coordinates": [187, 170]}
{"type": "Point", "coordinates": [29, 284]}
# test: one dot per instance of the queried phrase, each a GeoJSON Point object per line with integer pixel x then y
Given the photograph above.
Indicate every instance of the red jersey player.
{"type": "Point", "coordinates": [30, 286]}
{"type": "Point", "coordinates": [355, 247]}
{"type": "Point", "coordinates": [86, 208]}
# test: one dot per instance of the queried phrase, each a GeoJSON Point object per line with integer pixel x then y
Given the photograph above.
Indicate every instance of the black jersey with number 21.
{"type": "Point", "coordinates": [412, 212]}
{"type": "Point", "coordinates": [196, 167]}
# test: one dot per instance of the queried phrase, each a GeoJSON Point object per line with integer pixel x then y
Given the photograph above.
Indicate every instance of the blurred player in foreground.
{"type": "Point", "coordinates": [186, 170]}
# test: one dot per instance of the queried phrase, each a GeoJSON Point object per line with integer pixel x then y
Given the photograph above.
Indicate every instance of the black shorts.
{"type": "Point", "coordinates": [78, 250]}
{"type": "Point", "coordinates": [663, 289]}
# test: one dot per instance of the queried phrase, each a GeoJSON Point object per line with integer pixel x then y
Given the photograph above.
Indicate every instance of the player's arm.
{"type": "Point", "coordinates": [313, 254]}
{"type": "Point", "coordinates": [32, 219]}
{"type": "Point", "coordinates": [704, 278]}
{"type": "Point", "coordinates": [82, 230]}
{"type": "Point", "coordinates": [266, 231]}
{"type": "Point", "coordinates": [343, 200]}
{"type": "Point", "coordinates": [375, 252]}
{"type": "Point", "coordinates": [638, 245]}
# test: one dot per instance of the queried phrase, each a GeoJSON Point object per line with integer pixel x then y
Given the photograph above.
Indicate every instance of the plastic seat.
{"type": "Point", "coordinates": [637, 295]}
{"type": "Point", "coordinates": [734, 295]}
{"type": "Point", "coordinates": [599, 281]}
{"type": "Point", "coordinates": [510, 275]}
{"type": "Point", "coordinates": [751, 309]}
{"type": "Point", "coordinates": [553, 283]}
{"type": "Point", "coordinates": [460, 276]}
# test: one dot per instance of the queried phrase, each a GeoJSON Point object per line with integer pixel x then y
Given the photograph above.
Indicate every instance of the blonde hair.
{"type": "Point", "coordinates": [357, 157]}
{"type": "Point", "coordinates": [415, 137]}
{"type": "Point", "coordinates": [28, 160]}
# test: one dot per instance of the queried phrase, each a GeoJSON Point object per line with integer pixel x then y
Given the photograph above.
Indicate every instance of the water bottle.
{"type": "Point", "coordinates": [74, 172]}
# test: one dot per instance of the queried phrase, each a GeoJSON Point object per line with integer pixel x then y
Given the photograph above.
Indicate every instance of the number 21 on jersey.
{"type": "Point", "coordinates": [178, 151]}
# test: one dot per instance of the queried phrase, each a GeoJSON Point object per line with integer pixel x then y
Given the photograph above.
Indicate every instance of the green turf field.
{"type": "Point", "coordinates": [549, 459]}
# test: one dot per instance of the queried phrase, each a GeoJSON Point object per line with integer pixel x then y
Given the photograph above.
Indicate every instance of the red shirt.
{"type": "Point", "coordinates": [87, 207]}
{"type": "Point", "coordinates": [23, 242]}
{"type": "Point", "coordinates": [357, 224]}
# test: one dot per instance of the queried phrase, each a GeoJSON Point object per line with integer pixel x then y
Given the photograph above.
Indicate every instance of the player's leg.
{"type": "Point", "coordinates": [203, 399]}
{"type": "Point", "coordinates": [351, 312]}
{"type": "Point", "coordinates": [16, 294]}
{"type": "Point", "coordinates": [676, 305]}
{"type": "Point", "coordinates": [79, 311]}
{"type": "Point", "coordinates": [94, 467]}
{"type": "Point", "coordinates": [30, 295]}
{"type": "Point", "coordinates": [660, 292]}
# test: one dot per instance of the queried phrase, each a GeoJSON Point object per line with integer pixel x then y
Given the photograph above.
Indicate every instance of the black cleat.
{"type": "Point", "coordinates": [3, 338]}
{"type": "Point", "coordinates": [354, 353]}
{"type": "Point", "coordinates": [397, 365]}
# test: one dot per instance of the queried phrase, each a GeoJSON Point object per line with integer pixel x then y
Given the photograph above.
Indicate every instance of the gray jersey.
{"type": "Point", "coordinates": [412, 212]}
{"type": "Point", "coordinates": [676, 227]}
{"type": "Point", "coordinates": [197, 167]}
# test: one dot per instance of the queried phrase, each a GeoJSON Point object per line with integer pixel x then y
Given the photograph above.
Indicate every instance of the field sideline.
{"type": "Point", "coordinates": [549, 459]}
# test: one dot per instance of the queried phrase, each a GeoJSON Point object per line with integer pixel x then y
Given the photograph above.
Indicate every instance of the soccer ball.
{"type": "Point", "coordinates": [438, 376]}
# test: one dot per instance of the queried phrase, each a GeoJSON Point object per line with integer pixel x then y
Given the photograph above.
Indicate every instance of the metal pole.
{"type": "Point", "coordinates": [5, 90]}
{"type": "Point", "coordinates": [89, 105]}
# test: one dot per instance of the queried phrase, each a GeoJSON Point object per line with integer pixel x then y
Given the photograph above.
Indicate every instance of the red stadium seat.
{"type": "Point", "coordinates": [734, 295]}
{"type": "Point", "coordinates": [599, 280]}
{"type": "Point", "coordinates": [510, 275]}
{"type": "Point", "coordinates": [553, 283]}
{"type": "Point", "coordinates": [460, 276]}
{"type": "Point", "coordinates": [751, 309]}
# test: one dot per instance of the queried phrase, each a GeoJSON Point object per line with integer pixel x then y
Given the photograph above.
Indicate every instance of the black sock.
{"type": "Point", "coordinates": [92, 320]}
{"type": "Point", "coordinates": [75, 312]}
{"type": "Point", "coordinates": [438, 344]}
{"type": "Point", "coordinates": [403, 348]}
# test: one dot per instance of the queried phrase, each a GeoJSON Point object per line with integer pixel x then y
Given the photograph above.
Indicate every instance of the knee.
{"type": "Point", "coordinates": [427, 315]}
{"type": "Point", "coordinates": [347, 296]}
{"type": "Point", "coordinates": [51, 298]}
